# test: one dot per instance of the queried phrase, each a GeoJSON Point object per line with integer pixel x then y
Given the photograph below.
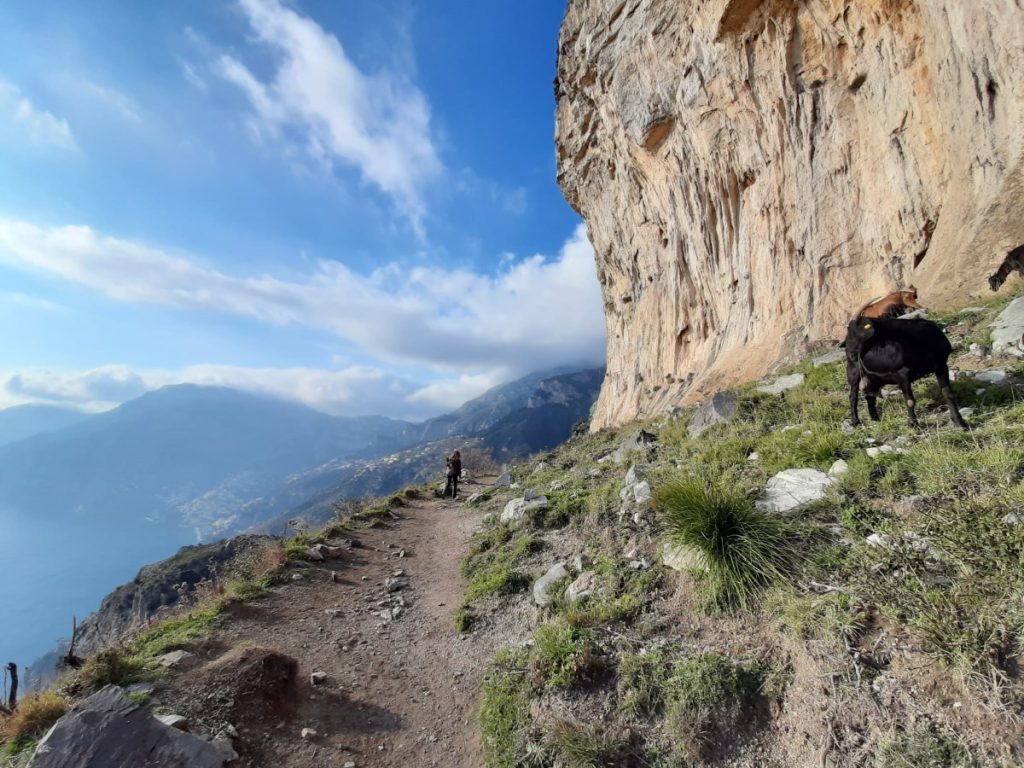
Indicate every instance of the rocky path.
{"type": "Point", "coordinates": [399, 684]}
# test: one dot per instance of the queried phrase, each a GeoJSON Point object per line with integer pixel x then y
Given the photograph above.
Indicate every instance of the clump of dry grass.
{"type": "Point", "coordinates": [33, 718]}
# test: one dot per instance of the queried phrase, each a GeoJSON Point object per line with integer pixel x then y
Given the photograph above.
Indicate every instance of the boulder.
{"type": "Point", "coordinates": [717, 410]}
{"type": "Point", "coordinates": [642, 492]}
{"type": "Point", "coordinates": [782, 384]}
{"type": "Point", "coordinates": [504, 480]}
{"type": "Point", "coordinates": [542, 587]}
{"type": "Point", "coordinates": [584, 586]}
{"type": "Point", "coordinates": [1008, 329]}
{"type": "Point", "coordinates": [109, 730]}
{"type": "Point", "coordinates": [991, 377]}
{"type": "Point", "coordinates": [792, 488]}
{"type": "Point", "coordinates": [176, 660]}
{"type": "Point", "coordinates": [517, 509]}
{"type": "Point", "coordinates": [641, 441]}
{"type": "Point", "coordinates": [835, 356]}
{"type": "Point", "coordinates": [679, 557]}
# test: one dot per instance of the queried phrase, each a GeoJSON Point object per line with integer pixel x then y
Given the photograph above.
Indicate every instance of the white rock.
{"type": "Point", "coordinates": [681, 558]}
{"type": "Point", "coordinates": [176, 659]}
{"type": "Point", "coordinates": [1013, 518]}
{"type": "Point", "coordinates": [309, 734]}
{"type": "Point", "coordinates": [834, 356]}
{"type": "Point", "coordinates": [753, 456]}
{"type": "Point", "coordinates": [838, 468]}
{"type": "Point", "coordinates": [782, 384]}
{"type": "Point", "coordinates": [1008, 328]}
{"type": "Point", "coordinates": [584, 586]}
{"type": "Point", "coordinates": [717, 410]}
{"type": "Point", "coordinates": [966, 412]}
{"type": "Point", "coordinates": [991, 377]}
{"type": "Point", "coordinates": [635, 475]}
{"type": "Point", "coordinates": [174, 721]}
{"type": "Point", "coordinates": [642, 492]}
{"type": "Point", "coordinates": [792, 488]}
{"type": "Point", "coordinates": [316, 678]}
{"type": "Point", "coordinates": [517, 509]}
{"type": "Point", "coordinates": [542, 587]}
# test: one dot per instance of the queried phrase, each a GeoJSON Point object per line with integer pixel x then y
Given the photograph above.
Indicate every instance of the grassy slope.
{"type": "Point", "coordinates": [839, 653]}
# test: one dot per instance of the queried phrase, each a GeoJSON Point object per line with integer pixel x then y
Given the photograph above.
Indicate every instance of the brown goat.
{"type": "Point", "coordinates": [893, 305]}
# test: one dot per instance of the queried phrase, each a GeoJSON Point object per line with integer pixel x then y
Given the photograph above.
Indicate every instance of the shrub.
{"type": "Point", "coordinates": [743, 550]}
{"type": "Point", "coordinates": [924, 747]}
{"type": "Point", "coordinates": [578, 745]}
{"type": "Point", "coordinates": [33, 718]}
{"type": "Point", "coordinates": [113, 666]}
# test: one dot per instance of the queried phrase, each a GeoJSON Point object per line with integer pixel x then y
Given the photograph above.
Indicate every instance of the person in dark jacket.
{"type": "Point", "coordinates": [454, 463]}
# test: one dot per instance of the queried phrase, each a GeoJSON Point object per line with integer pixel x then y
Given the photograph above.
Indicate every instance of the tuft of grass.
{"type": "Point", "coordinates": [563, 655]}
{"type": "Point", "coordinates": [924, 747]}
{"type": "Point", "coordinates": [505, 710]}
{"type": "Point", "coordinates": [578, 745]}
{"type": "Point", "coordinates": [464, 619]}
{"type": "Point", "coordinates": [743, 550]}
{"type": "Point", "coordinates": [175, 633]}
{"type": "Point", "coordinates": [35, 714]}
{"type": "Point", "coordinates": [112, 666]}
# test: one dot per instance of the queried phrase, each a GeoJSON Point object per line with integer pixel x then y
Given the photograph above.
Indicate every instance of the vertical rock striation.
{"type": "Point", "coordinates": [752, 171]}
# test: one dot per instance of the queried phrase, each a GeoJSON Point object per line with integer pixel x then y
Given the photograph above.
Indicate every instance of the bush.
{"type": "Point", "coordinates": [743, 550]}
{"type": "Point", "coordinates": [113, 666]}
{"type": "Point", "coordinates": [924, 747]}
{"type": "Point", "coordinates": [33, 718]}
{"type": "Point", "coordinates": [563, 655]}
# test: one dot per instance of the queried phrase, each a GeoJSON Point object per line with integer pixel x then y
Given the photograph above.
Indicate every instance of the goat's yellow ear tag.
{"type": "Point", "coordinates": [867, 325]}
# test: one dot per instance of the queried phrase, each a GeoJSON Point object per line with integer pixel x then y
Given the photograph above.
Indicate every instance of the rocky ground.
{"type": "Point", "coordinates": [383, 677]}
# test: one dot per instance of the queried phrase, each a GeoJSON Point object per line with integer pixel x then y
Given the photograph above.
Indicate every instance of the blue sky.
{"type": "Point", "coordinates": [351, 204]}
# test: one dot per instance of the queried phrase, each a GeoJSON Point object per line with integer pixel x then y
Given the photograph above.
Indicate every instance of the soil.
{"type": "Point", "coordinates": [398, 691]}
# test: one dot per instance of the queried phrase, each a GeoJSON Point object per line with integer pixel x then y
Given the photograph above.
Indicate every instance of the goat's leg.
{"type": "Point", "coordinates": [871, 396]}
{"type": "Point", "coordinates": [853, 378]}
{"type": "Point", "coordinates": [942, 374]}
{"type": "Point", "coordinates": [908, 395]}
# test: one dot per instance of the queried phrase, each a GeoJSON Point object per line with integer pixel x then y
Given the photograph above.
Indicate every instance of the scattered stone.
{"type": "Point", "coordinates": [594, 472]}
{"type": "Point", "coordinates": [835, 356]}
{"type": "Point", "coordinates": [972, 311]}
{"type": "Point", "coordinates": [488, 518]}
{"type": "Point", "coordinates": [335, 578]}
{"type": "Point", "coordinates": [782, 384]}
{"type": "Point", "coordinates": [966, 413]}
{"type": "Point", "coordinates": [316, 678]}
{"type": "Point", "coordinates": [635, 474]}
{"type": "Point", "coordinates": [638, 565]}
{"type": "Point", "coordinates": [792, 488]}
{"type": "Point", "coordinates": [394, 585]}
{"type": "Point", "coordinates": [753, 456]}
{"type": "Point", "coordinates": [838, 468]}
{"type": "Point", "coordinates": [542, 587]}
{"type": "Point", "coordinates": [997, 376]}
{"type": "Point", "coordinates": [314, 555]}
{"type": "Point", "coordinates": [296, 577]}
{"type": "Point", "coordinates": [504, 480]}
{"type": "Point", "coordinates": [642, 440]}
{"type": "Point", "coordinates": [680, 557]}
{"type": "Point", "coordinates": [580, 563]}
{"type": "Point", "coordinates": [1008, 329]}
{"type": "Point", "coordinates": [174, 721]}
{"type": "Point", "coordinates": [556, 485]}
{"type": "Point", "coordinates": [517, 509]}
{"type": "Point", "coordinates": [642, 492]}
{"type": "Point", "coordinates": [309, 734]}
{"type": "Point", "coordinates": [109, 729]}
{"type": "Point", "coordinates": [717, 410]}
{"type": "Point", "coordinates": [584, 586]}
{"type": "Point", "coordinates": [881, 450]}
{"type": "Point", "coordinates": [529, 494]}
{"type": "Point", "coordinates": [333, 612]}
{"type": "Point", "coordinates": [541, 466]}
{"type": "Point", "coordinates": [977, 350]}
{"type": "Point", "coordinates": [1013, 518]}
{"type": "Point", "coordinates": [349, 764]}
{"type": "Point", "coordinates": [474, 497]}
{"type": "Point", "coordinates": [176, 659]}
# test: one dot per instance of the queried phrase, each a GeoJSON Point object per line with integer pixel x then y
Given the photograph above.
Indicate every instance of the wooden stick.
{"type": "Point", "coordinates": [12, 700]}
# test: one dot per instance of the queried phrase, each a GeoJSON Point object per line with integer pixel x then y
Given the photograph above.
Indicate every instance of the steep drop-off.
{"type": "Point", "coordinates": [751, 171]}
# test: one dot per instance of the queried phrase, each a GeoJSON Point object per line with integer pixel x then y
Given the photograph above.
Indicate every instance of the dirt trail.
{"type": "Point", "coordinates": [398, 692]}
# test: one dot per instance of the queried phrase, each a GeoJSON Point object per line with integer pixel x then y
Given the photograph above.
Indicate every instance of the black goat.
{"type": "Point", "coordinates": [881, 351]}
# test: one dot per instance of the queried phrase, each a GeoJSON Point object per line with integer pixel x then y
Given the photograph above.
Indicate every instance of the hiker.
{"type": "Point", "coordinates": [454, 463]}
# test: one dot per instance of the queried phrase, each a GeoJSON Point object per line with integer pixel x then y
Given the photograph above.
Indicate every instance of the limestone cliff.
{"type": "Point", "coordinates": [751, 171]}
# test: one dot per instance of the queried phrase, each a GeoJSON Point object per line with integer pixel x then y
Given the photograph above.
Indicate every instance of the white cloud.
{"type": "Point", "coordinates": [378, 123]}
{"type": "Point", "coordinates": [357, 390]}
{"type": "Point", "coordinates": [535, 313]}
{"type": "Point", "coordinates": [112, 99]}
{"type": "Point", "coordinates": [26, 301]}
{"type": "Point", "coordinates": [40, 126]}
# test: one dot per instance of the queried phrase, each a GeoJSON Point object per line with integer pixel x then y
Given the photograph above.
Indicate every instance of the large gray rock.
{"type": "Point", "coordinates": [517, 509]}
{"type": "Point", "coordinates": [782, 384]}
{"type": "Point", "coordinates": [641, 441]}
{"type": "Point", "coordinates": [717, 410]}
{"type": "Point", "coordinates": [504, 480]}
{"type": "Point", "coordinates": [542, 587]}
{"type": "Point", "coordinates": [835, 356]}
{"type": "Point", "coordinates": [792, 488]}
{"type": "Point", "coordinates": [584, 586]}
{"type": "Point", "coordinates": [108, 730]}
{"type": "Point", "coordinates": [1008, 329]}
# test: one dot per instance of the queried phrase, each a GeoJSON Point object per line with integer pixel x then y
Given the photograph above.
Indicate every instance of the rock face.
{"type": "Point", "coordinates": [108, 730]}
{"type": "Point", "coordinates": [753, 171]}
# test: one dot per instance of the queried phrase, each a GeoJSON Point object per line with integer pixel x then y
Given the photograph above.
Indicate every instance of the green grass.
{"type": "Point", "coordinates": [505, 710]}
{"type": "Point", "coordinates": [743, 550]}
{"type": "Point", "coordinates": [563, 655]}
{"type": "Point", "coordinates": [177, 632]}
{"type": "Point", "coordinates": [924, 747]}
{"type": "Point", "coordinates": [580, 745]}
